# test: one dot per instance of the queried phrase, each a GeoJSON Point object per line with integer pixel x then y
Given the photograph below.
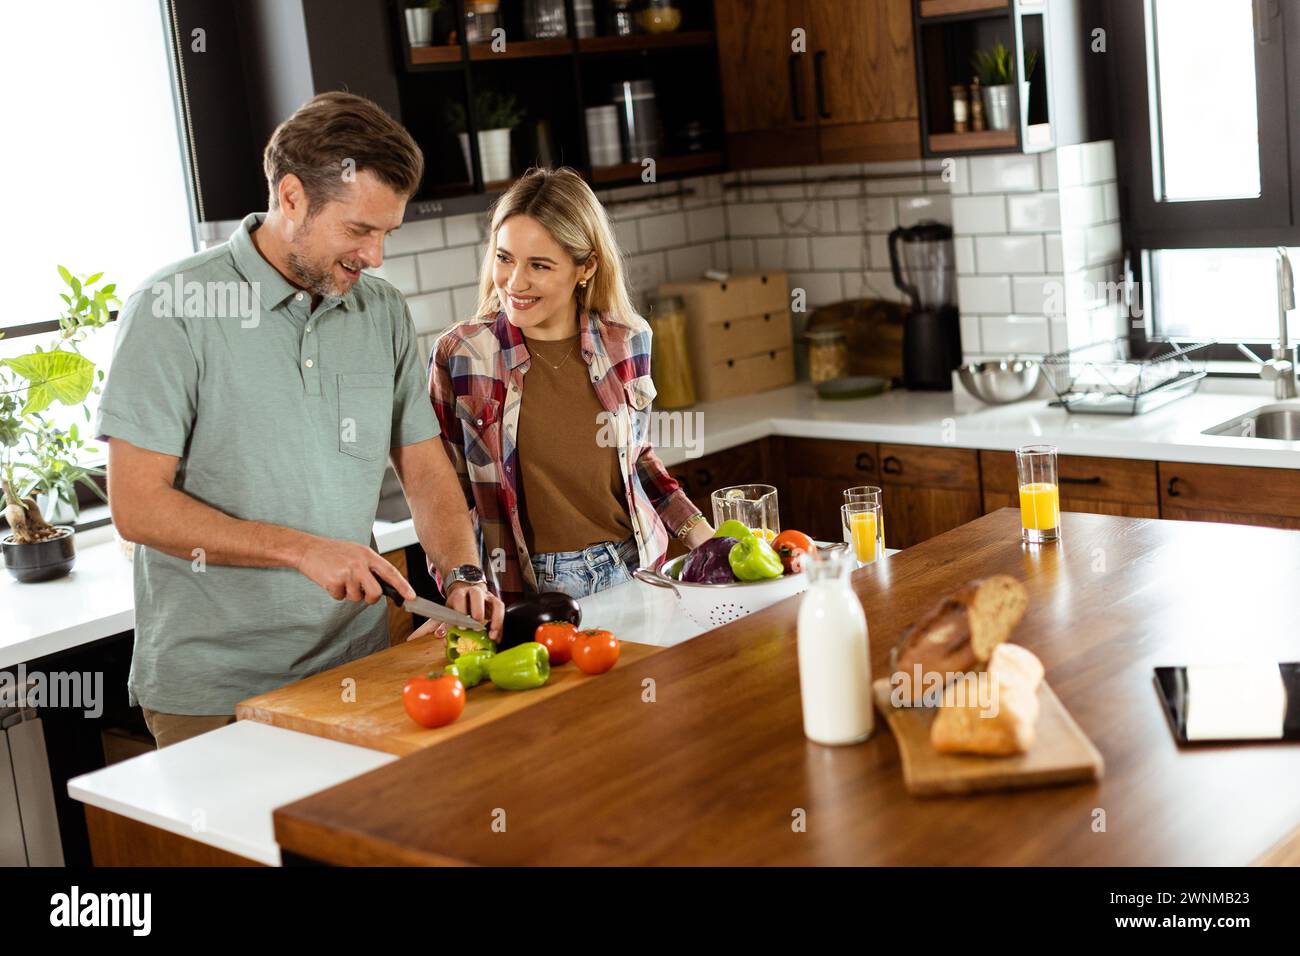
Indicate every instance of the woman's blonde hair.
{"type": "Point", "coordinates": [562, 202]}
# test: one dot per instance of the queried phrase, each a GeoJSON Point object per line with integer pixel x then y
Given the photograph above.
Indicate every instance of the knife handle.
{"type": "Point", "coordinates": [391, 592]}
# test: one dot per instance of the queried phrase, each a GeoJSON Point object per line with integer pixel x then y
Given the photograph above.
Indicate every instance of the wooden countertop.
{"type": "Point", "coordinates": [715, 769]}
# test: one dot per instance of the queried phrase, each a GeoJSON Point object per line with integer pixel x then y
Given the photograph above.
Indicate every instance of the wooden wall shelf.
{"type": "Point", "coordinates": [429, 55]}
{"type": "Point", "coordinates": [520, 49]}
{"type": "Point", "coordinates": [664, 166]}
{"type": "Point", "coordinates": [947, 8]}
{"type": "Point", "coordinates": [646, 41]}
{"type": "Point", "coordinates": [965, 142]}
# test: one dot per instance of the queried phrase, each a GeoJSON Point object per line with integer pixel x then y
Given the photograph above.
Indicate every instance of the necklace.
{"type": "Point", "coordinates": [568, 353]}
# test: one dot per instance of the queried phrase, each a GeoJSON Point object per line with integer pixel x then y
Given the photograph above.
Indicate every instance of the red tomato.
{"type": "Point", "coordinates": [434, 701]}
{"type": "Point", "coordinates": [595, 651]}
{"type": "Point", "coordinates": [557, 637]}
{"type": "Point", "coordinates": [792, 546]}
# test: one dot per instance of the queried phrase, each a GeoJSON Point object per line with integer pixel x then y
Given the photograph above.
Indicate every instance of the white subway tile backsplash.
{"type": "Point", "coordinates": [415, 237]}
{"type": "Point", "coordinates": [839, 252]}
{"type": "Point", "coordinates": [979, 294]}
{"type": "Point", "coordinates": [788, 254]}
{"type": "Point", "coordinates": [645, 272]}
{"type": "Point", "coordinates": [431, 313]}
{"type": "Point", "coordinates": [1104, 243]}
{"type": "Point", "coordinates": [740, 255]}
{"type": "Point", "coordinates": [466, 229]}
{"type": "Point", "coordinates": [1110, 201]}
{"type": "Point", "coordinates": [869, 214]}
{"type": "Point", "coordinates": [872, 285]}
{"type": "Point", "coordinates": [400, 271]}
{"type": "Point", "coordinates": [1069, 166]}
{"type": "Point", "coordinates": [1009, 255]}
{"type": "Point", "coordinates": [1047, 172]}
{"type": "Point", "coordinates": [1021, 334]}
{"type": "Point", "coordinates": [1004, 173]}
{"type": "Point", "coordinates": [895, 187]}
{"type": "Point", "coordinates": [1098, 161]}
{"type": "Point", "coordinates": [914, 209]}
{"type": "Point", "coordinates": [971, 340]}
{"type": "Point", "coordinates": [753, 219]}
{"type": "Point", "coordinates": [822, 288]}
{"type": "Point", "coordinates": [814, 216]}
{"type": "Point", "coordinates": [1034, 212]}
{"type": "Point", "coordinates": [625, 232]}
{"type": "Point", "coordinates": [446, 268]}
{"type": "Point", "coordinates": [1055, 258]}
{"type": "Point", "coordinates": [689, 262]}
{"type": "Point", "coordinates": [662, 231]}
{"type": "Point", "coordinates": [963, 248]}
{"type": "Point", "coordinates": [464, 301]}
{"type": "Point", "coordinates": [960, 185]}
{"type": "Point", "coordinates": [1082, 206]}
{"type": "Point", "coordinates": [1038, 295]}
{"type": "Point", "coordinates": [878, 249]}
{"type": "Point", "coordinates": [705, 225]}
{"type": "Point", "coordinates": [979, 215]}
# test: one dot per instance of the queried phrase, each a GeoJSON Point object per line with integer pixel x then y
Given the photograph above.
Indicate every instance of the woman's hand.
{"type": "Point", "coordinates": [702, 532]}
{"type": "Point", "coordinates": [476, 601]}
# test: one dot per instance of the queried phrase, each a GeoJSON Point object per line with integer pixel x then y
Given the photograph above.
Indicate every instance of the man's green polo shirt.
{"type": "Point", "coordinates": [278, 413]}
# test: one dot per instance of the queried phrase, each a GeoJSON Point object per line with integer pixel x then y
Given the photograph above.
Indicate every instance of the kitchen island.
{"type": "Point", "coordinates": [716, 770]}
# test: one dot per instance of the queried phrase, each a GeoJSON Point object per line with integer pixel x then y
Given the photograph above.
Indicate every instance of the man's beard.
{"type": "Point", "coordinates": [315, 280]}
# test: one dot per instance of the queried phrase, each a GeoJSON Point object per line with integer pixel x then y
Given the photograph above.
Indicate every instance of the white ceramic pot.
{"type": "Point", "coordinates": [419, 26]}
{"type": "Point", "coordinates": [494, 153]}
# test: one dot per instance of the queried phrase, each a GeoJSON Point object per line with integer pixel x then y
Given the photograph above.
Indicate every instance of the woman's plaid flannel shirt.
{"type": "Point", "coordinates": [476, 380]}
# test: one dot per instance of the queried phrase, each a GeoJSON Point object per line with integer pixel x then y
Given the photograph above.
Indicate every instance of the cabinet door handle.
{"type": "Point", "coordinates": [864, 462]}
{"type": "Point", "coordinates": [726, 325]}
{"type": "Point", "coordinates": [1094, 480]}
{"type": "Point", "coordinates": [1170, 488]}
{"type": "Point", "coordinates": [794, 88]}
{"type": "Point", "coordinates": [703, 476]}
{"type": "Point", "coordinates": [891, 465]}
{"type": "Point", "coordinates": [818, 58]}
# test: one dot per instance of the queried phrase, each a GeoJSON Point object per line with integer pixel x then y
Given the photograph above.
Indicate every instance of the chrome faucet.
{"type": "Point", "coordinates": [1280, 369]}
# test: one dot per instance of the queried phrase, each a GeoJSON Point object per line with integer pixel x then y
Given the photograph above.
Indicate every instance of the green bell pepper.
{"type": "Point", "coordinates": [753, 559]}
{"type": "Point", "coordinates": [734, 529]}
{"type": "Point", "coordinates": [522, 667]}
{"type": "Point", "coordinates": [470, 668]}
{"type": "Point", "coordinates": [461, 641]}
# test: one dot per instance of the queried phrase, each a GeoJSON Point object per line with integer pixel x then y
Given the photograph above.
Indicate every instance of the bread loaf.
{"type": "Point", "coordinates": [1002, 724]}
{"type": "Point", "coordinates": [960, 632]}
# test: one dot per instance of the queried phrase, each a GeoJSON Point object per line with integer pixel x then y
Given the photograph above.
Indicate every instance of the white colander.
{"type": "Point", "coordinates": [712, 605]}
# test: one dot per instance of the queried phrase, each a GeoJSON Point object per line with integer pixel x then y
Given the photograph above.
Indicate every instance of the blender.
{"type": "Point", "coordinates": [931, 331]}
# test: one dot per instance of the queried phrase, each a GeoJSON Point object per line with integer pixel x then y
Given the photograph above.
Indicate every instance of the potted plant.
{"type": "Point", "coordinates": [35, 549]}
{"type": "Point", "coordinates": [496, 114]}
{"type": "Point", "coordinates": [997, 72]}
{"type": "Point", "coordinates": [419, 21]}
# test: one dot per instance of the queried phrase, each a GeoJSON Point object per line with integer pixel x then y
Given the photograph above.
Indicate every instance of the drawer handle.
{"type": "Point", "coordinates": [726, 324]}
{"type": "Point", "coordinates": [1170, 488]}
{"type": "Point", "coordinates": [767, 317]}
{"type": "Point", "coordinates": [891, 465]}
{"type": "Point", "coordinates": [704, 476]}
{"type": "Point", "coordinates": [771, 355]}
{"type": "Point", "coordinates": [864, 462]}
{"type": "Point", "coordinates": [1094, 480]}
{"type": "Point", "coordinates": [731, 363]}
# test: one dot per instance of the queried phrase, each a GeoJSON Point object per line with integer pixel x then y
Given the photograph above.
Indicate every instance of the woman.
{"type": "Point", "coordinates": [544, 402]}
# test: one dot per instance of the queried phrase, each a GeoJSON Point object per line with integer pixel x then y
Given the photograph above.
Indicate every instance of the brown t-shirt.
{"type": "Point", "coordinates": [571, 492]}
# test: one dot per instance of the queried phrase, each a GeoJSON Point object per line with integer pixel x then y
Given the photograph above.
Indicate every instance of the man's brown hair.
{"type": "Point", "coordinates": [334, 136]}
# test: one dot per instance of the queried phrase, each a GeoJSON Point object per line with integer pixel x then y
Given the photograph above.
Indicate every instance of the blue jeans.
{"type": "Point", "coordinates": [579, 573]}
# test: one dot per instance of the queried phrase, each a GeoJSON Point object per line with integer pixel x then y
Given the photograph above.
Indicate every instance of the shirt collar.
{"type": "Point", "coordinates": [273, 288]}
{"type": "Point", "coordinates": [515, 349]}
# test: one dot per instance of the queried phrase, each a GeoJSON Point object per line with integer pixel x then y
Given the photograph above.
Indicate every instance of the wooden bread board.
{"type": "Point", "coordinates": [374, 716]}
{"type": "Point", "coordinates": [1061, 753]}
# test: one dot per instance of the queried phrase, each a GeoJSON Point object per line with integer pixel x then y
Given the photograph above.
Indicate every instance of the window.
{"type": "Point", "coordinates": [94, 157]}
{"type": "Point", "coordinates": [1217, 294]}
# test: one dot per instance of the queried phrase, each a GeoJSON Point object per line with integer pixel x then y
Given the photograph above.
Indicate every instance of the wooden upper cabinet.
{"type": "Point", "coordinates": [864, 61]}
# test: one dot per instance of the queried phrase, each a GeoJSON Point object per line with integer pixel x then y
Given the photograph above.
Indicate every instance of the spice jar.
{"type": "Point", "coordinates": [670, 360]}
{"type": "Point", "coordinates": [960, 109]}
{"type": "Point", "coordinates": [828, 355]}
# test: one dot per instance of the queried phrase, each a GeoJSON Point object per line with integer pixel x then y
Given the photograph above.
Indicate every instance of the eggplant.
{"type": "Point", "coordinates": [522, 617]}
{"type": "Point", "coordinates": [708, 564]}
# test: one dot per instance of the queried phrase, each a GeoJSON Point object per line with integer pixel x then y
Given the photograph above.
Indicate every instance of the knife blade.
{"type": "Point", "coordinates": [426, 608]}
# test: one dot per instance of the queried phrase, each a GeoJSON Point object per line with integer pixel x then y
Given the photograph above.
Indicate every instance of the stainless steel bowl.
{"type": "Point", "coordinates": [1000, 381]}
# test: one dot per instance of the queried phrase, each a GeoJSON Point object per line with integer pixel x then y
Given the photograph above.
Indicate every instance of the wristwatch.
{"type": "Point", "coordinates": [464, 573]}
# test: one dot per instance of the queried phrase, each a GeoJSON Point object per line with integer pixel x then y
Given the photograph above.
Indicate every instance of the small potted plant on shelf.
{"type": "Point", "coordinates": [496, 115]}
{"type": "Point", "coordinates": [419, 21]}
{"type": "Point", "coordinates": [997, 72]}
{"type": "Point", "coordinates": [34, 548]}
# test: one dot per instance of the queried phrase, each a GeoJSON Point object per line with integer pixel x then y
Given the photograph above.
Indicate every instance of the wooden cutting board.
{"type": "Point", "coordinates": [1062, 753]}
{"type": "Point", "coordinates": [369, 711]}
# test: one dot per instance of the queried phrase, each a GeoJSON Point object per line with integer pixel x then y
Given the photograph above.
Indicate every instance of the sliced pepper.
{"type": "Point", "coordinates": [732, 528]}
{"type": "Point", "coordinates": [470, 668]}
{"type": "Point", "coordinates": [753, 559]}
{"type": "Point", "coordinates": [461, 641]}
{"type": "Point", "coordinates": [522, 667]}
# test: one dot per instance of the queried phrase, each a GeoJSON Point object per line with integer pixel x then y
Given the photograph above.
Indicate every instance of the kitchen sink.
{"type": "Point", "coordinates": [1278, 422]}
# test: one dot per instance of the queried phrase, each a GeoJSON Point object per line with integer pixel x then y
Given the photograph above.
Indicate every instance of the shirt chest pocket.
{"type": "Point", "coordinates": [639, 394]}
{"type": "Point", "coordinates": [365, 414]}
{"type": "Point", "coordinates": [480, 421]}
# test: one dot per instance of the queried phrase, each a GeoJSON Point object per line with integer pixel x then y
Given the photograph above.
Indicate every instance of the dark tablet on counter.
{"type": "Point", "coordinates": [1240, 701]}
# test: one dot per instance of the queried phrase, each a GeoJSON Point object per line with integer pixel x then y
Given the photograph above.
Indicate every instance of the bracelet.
{"type": "Point", "coordinates": [691, 522]}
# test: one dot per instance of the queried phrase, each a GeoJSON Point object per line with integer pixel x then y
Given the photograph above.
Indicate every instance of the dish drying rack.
{"type": "Point", "coordinates": [1103, 378]}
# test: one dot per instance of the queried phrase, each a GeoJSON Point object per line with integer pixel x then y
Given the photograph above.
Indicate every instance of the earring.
{"type": "Point", "coordinates": [583, 283]}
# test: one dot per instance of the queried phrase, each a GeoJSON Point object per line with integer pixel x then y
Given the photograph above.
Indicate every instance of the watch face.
{"type": "Point", "coordinates": [469, 574]}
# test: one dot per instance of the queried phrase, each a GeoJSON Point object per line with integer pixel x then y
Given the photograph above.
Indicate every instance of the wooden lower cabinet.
{"type": "Point", "coordinates": [1234, 494]}
{"type": "Point", "coordinates": [927, 491]}
{"type": "Point", "coordinates": [1104, 486]}
{"type": "Point", "coordinates": [817, 470]}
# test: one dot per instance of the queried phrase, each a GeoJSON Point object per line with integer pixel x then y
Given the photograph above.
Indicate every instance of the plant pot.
{"type": "Point", "coordinates": [56, 512]}
{"type": "Point", "coordinates": [493, 153]}
{"type": "Point", "coordinates": [41, 560]}
{"type": "Point", "coordinates": [997, 106]}
{"type": "Point", "coordinates": [419, 26]}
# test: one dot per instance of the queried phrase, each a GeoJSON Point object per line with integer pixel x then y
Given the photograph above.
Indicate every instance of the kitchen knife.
{"type": "Point", "coordinates": [426, 608]}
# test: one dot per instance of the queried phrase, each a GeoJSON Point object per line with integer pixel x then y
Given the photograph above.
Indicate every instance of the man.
{"type": "Point", "coordinates": [255, 393]}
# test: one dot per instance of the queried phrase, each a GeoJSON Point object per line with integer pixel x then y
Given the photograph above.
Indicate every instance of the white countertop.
{"type": "Point", "coordinates": [95, 601]}
{"type": "Point", "coordinates": [220, 788]}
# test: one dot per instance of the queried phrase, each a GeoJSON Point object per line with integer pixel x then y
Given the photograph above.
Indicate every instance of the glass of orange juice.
{"type": "Point", "coordinates": [1040, 500]}
{"type": "Point", "coordinates": [861, 523]}
{"type": "Point", "coordinates": [869, 493]}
